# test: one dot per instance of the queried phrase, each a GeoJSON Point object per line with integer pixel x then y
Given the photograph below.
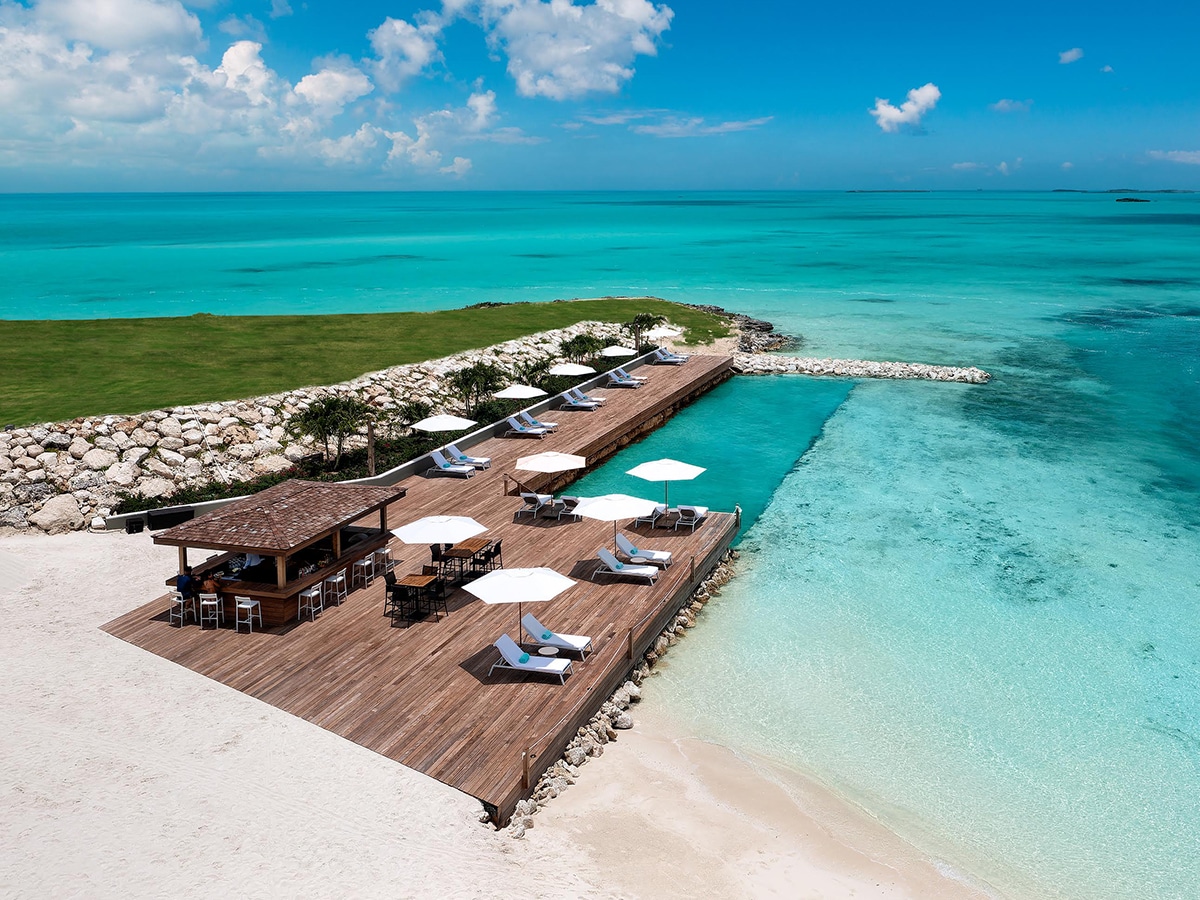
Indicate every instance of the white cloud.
{"type": "Point", "coordinates": [673, 127]}
{"type": "Point", "coordinates": [1187, 157]}
{"type": "Point", "coordinates": [244, 27]}
{"type": "Point", "coordinates": [483, 110]}
{"type": "Point", "coordinates": [460, 167]}
{"type": "Point", "coordinates": [621, 118]}
{"type": "Point", "coordinates": [1067, 166]}
{"type": "Point", "coordinates": [968, 166]}
{"type": "Point", "coordinates": [280, 8]}
{"type": "Point", "coordinates": [1003, 169]}
{"type": "Point", "coordinates": [1007, 106]}
{"type": "Point", "coordinates": [122, 24]}
{"type": "Point", "coordinates": [404, 50]}
{"type": "Point", "coordinates": [1106, 69]}
{"type": "Point", "coordinates": [330, 89]}
{"type": "Point", "coordinates": [908, 115]}
{"type": "Point", "coordinates": [1070, 56]}
{"type": "Point", "coordinates": [560, 50]}
{"type": "Point", "coordinates": [351, 149]}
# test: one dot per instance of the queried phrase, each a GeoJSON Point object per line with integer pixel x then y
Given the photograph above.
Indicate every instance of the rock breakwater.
{"type": "Point", "coordinates": [756, 364]}
{"type": "Point", "coordinates": [58, 476]}
{"type": "Point", "coordinates": [614, 715]}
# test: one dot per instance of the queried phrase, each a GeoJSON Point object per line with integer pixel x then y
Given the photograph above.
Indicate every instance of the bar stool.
{"type": "Point", "coordinates": [211, 610]}
{"type": "Point", "coordinates": [335, 588]}
{"type": "Point", "coordinates": [251, 609]}
{"type": "Point", "coordinates": [312, 601]}
{"type": "Point", "coordinates": [383, 560]}
{"type": "Point", "coordinates": [180, 608]}
{"type": "Point", "coordinates": [364, 570]}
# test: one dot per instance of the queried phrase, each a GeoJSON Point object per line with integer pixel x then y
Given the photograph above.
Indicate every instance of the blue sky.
{"type": "Point", "coordinates": [555, 94]}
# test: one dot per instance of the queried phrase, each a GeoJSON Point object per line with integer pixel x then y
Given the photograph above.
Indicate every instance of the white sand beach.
{"type": "Point", "coordinates": [127, 775]}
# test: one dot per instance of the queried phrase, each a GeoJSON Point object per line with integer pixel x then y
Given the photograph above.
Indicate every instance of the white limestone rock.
{"type": "Point", "coordinates": [135, 455]}
{"type": "Point", "coordinates": [158, 467]}
{"type": "Point", "coordinates": [171, 443]}
{"type": "Point", "coordinates": [170, 427]}
{"type": "Point", "coordinates": [170, 457]}
{"type": "Point", "coordinates": [271, 464]}
{"type": "Point", "coordinates": [122, 474]}
{"type": "Point", "coordinates": [98, 459]}
{"type": "Point", "coordinates": [155, 487]}
{"type": "Point", "coordinates": [60, 514]}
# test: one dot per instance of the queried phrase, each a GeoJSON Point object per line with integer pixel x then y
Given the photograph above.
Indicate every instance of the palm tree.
{"type": "Point", "coordinates": [331, 420]}
{"type": "Point", "coordinates": [475, 383]}
{"type": "Point", "coordinates": [640, 323]}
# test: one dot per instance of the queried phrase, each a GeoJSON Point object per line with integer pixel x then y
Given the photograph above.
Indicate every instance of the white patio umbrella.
{"type": "Point", "coordinates": [444, 423]}
{"type": "Point", "coordinates": [439, 530]}
{"type": "Point", "coordinates": [618, 351]}
{"type": "Point", "coordinates": [613, 508]}
{"type": "Point", "coordinates": [571, 369]}
{"type": "Point", "coordinates": [519, 586]}
{"type": "Point", "coordinates": [551, 461]}
{"type": "Point", "coordinates": [666, 471]}
{"type": "Point", "coordinates": [519, 392]}
{"type": "Point", "coordinates": [663, 331]}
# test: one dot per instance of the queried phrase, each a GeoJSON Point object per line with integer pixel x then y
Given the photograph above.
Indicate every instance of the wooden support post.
{"type": "Point", "coordinates": [281, 569]}
{"type": "Point", "coordinates": [693, 571]}
{"type": "Point", "coordinates": [337, 544]}
{"type": "Point", "coordinates": [629, 649]}
{"type": "Point", "coordinates": [383, 519]}
{"type": "Point", "coordinates": [182, 559]}
{"type": "Point", "coordinates": [526, 758]}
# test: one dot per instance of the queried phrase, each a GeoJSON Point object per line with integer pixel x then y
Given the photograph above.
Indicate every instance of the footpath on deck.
{"type": "Point", "coordinates": [421, 694]}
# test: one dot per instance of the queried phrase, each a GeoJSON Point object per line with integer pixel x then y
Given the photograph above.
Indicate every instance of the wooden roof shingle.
{"type": "Point", "coordinates": [281, 519]}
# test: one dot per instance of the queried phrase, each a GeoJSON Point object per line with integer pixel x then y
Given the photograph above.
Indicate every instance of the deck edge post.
{"type": "Point", "coordinates": [527, 757]}
{"type": "Point", "coordinates": [629, 649]}
{"type": "Point", "coordinates": [693, 580]}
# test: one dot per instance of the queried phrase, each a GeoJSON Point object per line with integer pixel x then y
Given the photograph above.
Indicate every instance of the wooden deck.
{"type": "Point", "coordinates": [421, 694]}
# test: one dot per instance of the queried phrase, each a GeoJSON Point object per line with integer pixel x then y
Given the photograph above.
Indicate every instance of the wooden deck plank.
{"type": "Point", "coordinates": [421, 694]}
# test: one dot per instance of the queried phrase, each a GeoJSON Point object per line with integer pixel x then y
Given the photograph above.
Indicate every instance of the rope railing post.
{"type": "Point", "coordinates": [629, 651]}
{"type": "Point", "coordinates": [693, 581]}
{"type": "Point", "coordinates": [527, 757]}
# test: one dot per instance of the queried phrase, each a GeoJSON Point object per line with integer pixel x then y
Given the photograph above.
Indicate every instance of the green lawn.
{"type": "Point", "coordinates": [55, 370]}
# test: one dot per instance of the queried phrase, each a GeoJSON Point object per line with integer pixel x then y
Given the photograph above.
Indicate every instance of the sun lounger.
{"type": "Point", "coordinates": [459, 458]}
{"type": "Point", "coordinates": [564, 506]}
{"type": "Point", "coordinates": [620, 370]}
{"type": "Point", "coordinates": [652, 519]}
{"type": "Point", "coordinates": [642, 554]}
{"type": "Point", "coordinates": [586, 398]}
{"type": "Point", "coordinates": [615, 380]}
{"type": "Point", "coordinates": [544, 637]}
{"type": "Point", "coordinates": [534, 502]}
{"type": "Point", "coordinates": [691, 516]}
{"type": "Point", "coordinates": [610, 565]}
{"type": "Point", "coordinates": [671, 359]}
{"type": "Point", "coordinates": [515, 427]}
{"type": "Point", "coordinates": [534, 423]}
{"type": "Point", "coordinates": [570, 402]}
{"type": "Point", "coordinates": [443, 466]}
{"type": "Point", "coordinates": [513, 657]}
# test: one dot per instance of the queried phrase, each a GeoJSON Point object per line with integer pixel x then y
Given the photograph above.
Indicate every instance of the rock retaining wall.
{"type": "Point", "coordinates": [59, 475]}
{"type": "Point", "coordinates": [614, 715]}
{"type": "Point", "coordinates": [752, 364]}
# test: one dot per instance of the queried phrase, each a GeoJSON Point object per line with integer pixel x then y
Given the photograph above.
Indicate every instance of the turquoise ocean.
{"type": "Point", "coordinates": [970, 610]}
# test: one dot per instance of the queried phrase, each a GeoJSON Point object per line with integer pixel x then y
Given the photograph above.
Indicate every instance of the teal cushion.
{"type": "Point", "coordinates": [546, 635]}
{"type": "Point", "coordinates": [445, 465]}
{"type": "Point", "coordinates": [636, 552]}
{"type": "Point", "coordinates": [523, 658]}
{"type": "Point", "coordinates": [620, 565]}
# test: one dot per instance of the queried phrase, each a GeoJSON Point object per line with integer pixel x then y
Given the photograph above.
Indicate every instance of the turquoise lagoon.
{"type": "Point", "coordinates": [975, 607]}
